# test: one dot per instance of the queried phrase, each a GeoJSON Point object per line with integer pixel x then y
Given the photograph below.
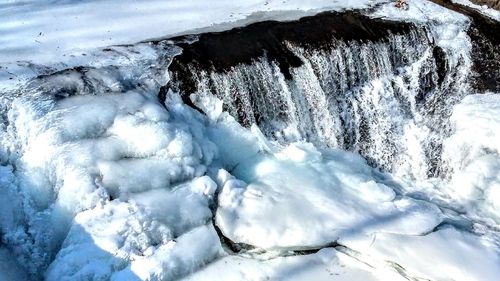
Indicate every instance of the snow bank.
{"type": "Point", "coordinates": [446, 254]}
{"type": "Point", "coordinates": [302, 198]}
{"type": "Point", "coordinates": [40, 37]}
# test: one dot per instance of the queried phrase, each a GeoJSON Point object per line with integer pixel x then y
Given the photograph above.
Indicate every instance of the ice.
{"type": "Point", "coordinates": [473, 154]}
{"type": "Point", "coordinates": [123, 241]}
{"type": "Point", "coordinates": [9, 269]}
{"type": "Point", "coordinates": [303, 198]}
{"type": "Point", "coordinates": [185, 207]}
{"type": "Point", "coordinates": [9, 200]}
{"type": "Point", "coordinates": [40, 37]}
{"type": "Point", "coordinates": [78, 153]}
{"type": "Point", "coordinates": [327, 264]}
{"type": "Point", "coordinates": [235, 142]}
{"type": "Point", "coordinates": [101, 181]}
{"type": "Point", "coordinates": [446, 254]}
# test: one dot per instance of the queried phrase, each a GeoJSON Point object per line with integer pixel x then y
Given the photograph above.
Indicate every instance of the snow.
{"type": "Point", "coordinates": [100, 181]}
{"type": "Point", "coordinates": [418, 11]}
{"type": "Point", "coordinates": [446, 254]}
{"type": "Point", "coordinates": [484, 9]}
{"type": "Point", "coordinates": [473, 153]}
{"type": "Point", "coordinates": [41, 31]}
{"type": "Point", "coordinates": [326, 195]}
{"type": "Point", "coordinates": [326, 264]}
{"type": "Point", "coordinates": [159, 235]}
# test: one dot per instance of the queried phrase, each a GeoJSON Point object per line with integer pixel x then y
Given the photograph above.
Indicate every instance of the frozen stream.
{"type": "Point", "coordinates": [358, 146]}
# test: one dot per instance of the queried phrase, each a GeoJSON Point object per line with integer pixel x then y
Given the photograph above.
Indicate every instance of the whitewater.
{"type": "Point", "coordinates": [370, 158]}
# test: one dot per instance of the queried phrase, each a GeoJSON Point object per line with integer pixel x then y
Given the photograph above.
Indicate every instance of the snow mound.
{"type": "Point", "coordinates": [303, 198]}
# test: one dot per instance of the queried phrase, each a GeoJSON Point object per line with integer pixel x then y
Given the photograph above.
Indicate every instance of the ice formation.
{"type": "Point", "coordinates": [396, 178]}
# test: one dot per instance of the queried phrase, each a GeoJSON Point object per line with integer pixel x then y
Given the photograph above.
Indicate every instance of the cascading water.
{"type": "Point", "coordinates": [108, 172]}
{"type": "Point", "coordinates": [388, 99]}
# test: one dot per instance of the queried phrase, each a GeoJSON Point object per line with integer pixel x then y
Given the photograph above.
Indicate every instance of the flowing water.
{"type": "Point", "coordinates": [388, 100]}
{"type": "Point", "coordinates": [385, 90]}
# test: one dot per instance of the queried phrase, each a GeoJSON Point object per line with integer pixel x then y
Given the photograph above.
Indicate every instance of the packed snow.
{"type": "Point", "coordinates": [326, 196]}
{"type": "Point", "coordinates": [99, 180]}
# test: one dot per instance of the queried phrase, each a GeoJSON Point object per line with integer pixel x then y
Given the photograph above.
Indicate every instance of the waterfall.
{"type": "Point", "coordinates": [388, 99]}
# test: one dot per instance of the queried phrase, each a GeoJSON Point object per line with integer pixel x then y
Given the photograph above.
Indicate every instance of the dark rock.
{"type": "Point", "coordinates": [485, 36]}
{"type": "Point", "coordinates": [223, 50]}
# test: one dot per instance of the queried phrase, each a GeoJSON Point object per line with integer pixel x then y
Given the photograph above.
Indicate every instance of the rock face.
{"type": "Point", "coordinates": [224, 50]}
{"type": "Point", "coordinates": [485, 37]}
{"type": "Point", "coordinates": [336, 79]}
